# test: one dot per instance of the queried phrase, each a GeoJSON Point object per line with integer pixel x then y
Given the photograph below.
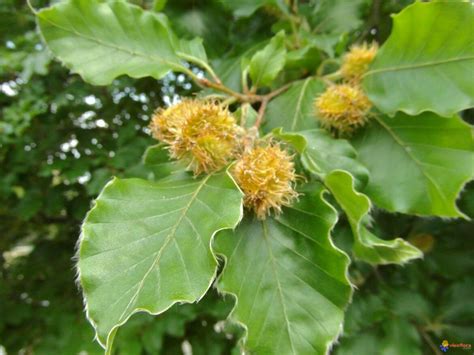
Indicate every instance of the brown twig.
{"type": "Point", "coordinates": [241, 97]}
{"type": "Point", "coordinates": [277, 92]}
{"type": "Point", "coordinates": [261, 113]}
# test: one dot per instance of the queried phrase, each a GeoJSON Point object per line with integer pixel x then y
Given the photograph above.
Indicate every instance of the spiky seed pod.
{"type": "Point", "coordinates": [203, 133]}
{"type": "Point", "coordinates": [356, 61]}
{"type": "Point", "coordinates": [267, 176]}
{"type": "Point", "coordinates": [342, 107]}
{"type": "Point", "coordinates": [166, 123]}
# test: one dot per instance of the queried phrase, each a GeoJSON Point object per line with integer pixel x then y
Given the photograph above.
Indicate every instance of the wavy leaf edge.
{"type": "Point", "coordinates": [224, 293]}
{"type": "Point", "coordinates": [111, 335]}
{"type": "Point", "coordinates": [398, 241]}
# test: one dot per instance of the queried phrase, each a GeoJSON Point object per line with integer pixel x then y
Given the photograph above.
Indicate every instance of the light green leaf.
{"type": "Point", "coordinates": [293, 110]}
{"type": "Point", "coordinates": [267, 63]}
{"type": "Point", "coordinates": [325, 154]}
{"type": "Point", "coordinates": [288, 279]}
{"type": "Point", "coordinates": [336, 16]}
{"type": "Point", "coordinates": [427, 64]}
{"type": "Point", "coordinates": [159, 5]}
{"type": "Point", "coordinates": [325, 42]}
{"type": "Point", "coordinates": [192, 51]}
{"type": "Point", "coordinates": [417, 165]}
{"type": "Point", "coordinates": [146, 246]}
{"type": "Point", "coordinates": [297, 141]}
{"type": "Point", "coordinates": [101, 41]}
{"type": "Point", "coordinates": [367, 246]}
{"type": "Point", "coordinates": [321, 154]}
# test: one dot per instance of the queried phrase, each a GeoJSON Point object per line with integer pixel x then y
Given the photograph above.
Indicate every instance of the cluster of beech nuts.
{"type": "Point", "coordinates": [204, 134]}
{"type": "Point", "coordinates": [344, 107]}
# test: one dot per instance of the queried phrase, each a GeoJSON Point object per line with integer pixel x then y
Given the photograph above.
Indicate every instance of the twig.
{"type": "Point", "coordinates": [277, 92]}
{"type": "Point", "coordinates": [241, 97]}
{"type": "Point", "coordinates": [261, 113]}
{"type": "Point", "coordinates": [333, 76]}
{"type": "Point", "coordinates": [429, 341]}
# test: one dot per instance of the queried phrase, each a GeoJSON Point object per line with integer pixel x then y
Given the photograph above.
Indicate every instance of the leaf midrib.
{"type": "Point", "coordinates": [298, 103]}
{"type": "Point", "coordinates": [168, 239]}
{"type": "Point", "coordinates": [413, 158]}
{"type": "Point", "coordinates": [416, 66]}
{"type": "Point", "coordinates": [280, 292]}
{"type": "Point", "coordinates": [109, 45]}
{"type": "Point", "coordinates": [265, 65]}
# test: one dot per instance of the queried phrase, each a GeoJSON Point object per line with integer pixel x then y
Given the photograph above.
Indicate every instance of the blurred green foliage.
{"type": "Point", "coordinates": [61, 140]}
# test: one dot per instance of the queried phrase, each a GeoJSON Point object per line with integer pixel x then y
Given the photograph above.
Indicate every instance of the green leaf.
{"type": "Point", "coordinates": [321, 154]}
{"type": "Point", "coordinates": [427, 64]}
{"type": "Point", "coordinates": [245, 8]}
{"type": "Point", "coordinates": [336, 16]}
{"type": "Point", "coordinates": [246, 115]}
{"type": "Point", "coordinates": [101, 41]}
{"type": "Point", "coordinates": [305, 59]}
{"type": "Point", "coordinates": [293, 110]}
{"type": "Point", "coordinates": [325, 42]}
{"type": "Point", "coordinates": [367, 246]}
{"type": "Point", "coordinates": [159, 5]}
{"type": "Point", "coordinates": [288, 279]}
{"type": "Point", "coordinates": [417, 165]}
{"type": "Point", "coordinates": [402, 337]}
{"type": "Point", "coordinates": [297, 141]}
{"type": "Point", "coordinates": [156, 158]}
{"type": "Point", "coordinates": [267, 63]}
{"type": "Point", "coordinates": [192, 51]}
{"type": "Point", "coordinates": [325, 154]}
{"type": "Point", "coordinates": [229, 72]}
{"type": "Point", "coordinates": [146, 246]}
